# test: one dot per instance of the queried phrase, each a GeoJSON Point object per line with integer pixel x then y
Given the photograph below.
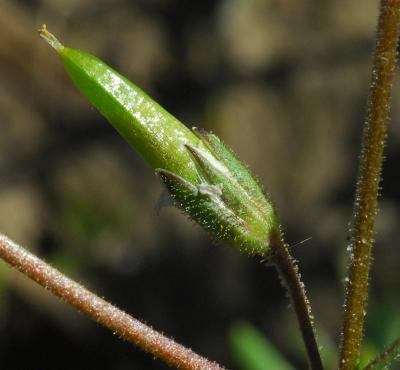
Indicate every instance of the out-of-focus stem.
{"type": "Point", "coordinates": [101, 311]}
{"type": "Point", "coordinates": [383, 360]}
{"type": "Point", "coordinates": [365, 204]}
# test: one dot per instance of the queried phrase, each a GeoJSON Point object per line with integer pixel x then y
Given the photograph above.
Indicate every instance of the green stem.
{"type": "Point", "coordinates": [101, 311]}
{"type": "Point", "coordinates": [279, 256]}
{"type": "Point", "coordinates": [365, 205]}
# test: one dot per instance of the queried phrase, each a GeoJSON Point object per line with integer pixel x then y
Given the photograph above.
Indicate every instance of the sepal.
{"type": "Point", "coordinates": [204, 205]}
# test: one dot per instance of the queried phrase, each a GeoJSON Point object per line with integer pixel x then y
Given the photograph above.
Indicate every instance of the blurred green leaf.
{"type": "Point", "coordinates": [253, 351]}
{"type": "Point", "coordinates": [368, 352]}
{"type": "Point", "coordinates": [386, 358]}
{"type": "Point", "coordinates": [384, 323]}
{"type": "Point", "coordinates": [383, 328]}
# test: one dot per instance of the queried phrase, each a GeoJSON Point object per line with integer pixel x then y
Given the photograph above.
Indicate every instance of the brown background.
{"type": "Point", "coordinates": [283, 82]}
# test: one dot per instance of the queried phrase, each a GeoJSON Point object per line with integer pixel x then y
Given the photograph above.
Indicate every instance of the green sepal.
{"type": "Point", "coordinates": [217, 164]}
{"type": "Point", "coordinates": [215, 171]}
{"type": "Point", "coordinates": [203, 176]}
{"type": "Point", "coordinates": [238, 169]}
{"type": "Point", "coordinates": [204, 204]}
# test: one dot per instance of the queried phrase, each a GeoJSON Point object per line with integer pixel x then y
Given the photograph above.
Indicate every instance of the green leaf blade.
{"type": "Point", "coordinates": [253, 351]}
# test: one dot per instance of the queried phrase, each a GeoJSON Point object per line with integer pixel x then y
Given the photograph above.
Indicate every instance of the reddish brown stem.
{"type": "Point", "coordinates": [384, 360]}
{"type": "Point", "coordinates": [365, 205]}
{"type": "Point", "coordinates": [280, 257]}
{"type": "Point", "coordinates": [101, 311]}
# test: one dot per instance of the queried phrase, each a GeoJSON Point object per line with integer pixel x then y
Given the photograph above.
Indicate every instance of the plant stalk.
{"type": "Point", "coordinates": [383, 360]}
{"type": "Point", "coordinates": [280, 257]}
{"type": "Point", "coordinates": [365, 204]}
{"type": "Point", "coordinates": [99, 310]}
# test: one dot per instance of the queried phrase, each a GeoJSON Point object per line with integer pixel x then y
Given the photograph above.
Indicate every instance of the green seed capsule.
{"type": "Point", "coordinates": [203, 177]}
{"type": "Point", "coordinates": [154, 133]}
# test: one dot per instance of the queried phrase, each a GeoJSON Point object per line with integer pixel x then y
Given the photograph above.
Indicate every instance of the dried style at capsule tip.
{"type": "Point", "coordinates": [203, 176]}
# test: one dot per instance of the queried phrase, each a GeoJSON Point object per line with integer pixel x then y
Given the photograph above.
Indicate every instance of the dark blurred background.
{"type": "Point", "coordinates": [283, 82]}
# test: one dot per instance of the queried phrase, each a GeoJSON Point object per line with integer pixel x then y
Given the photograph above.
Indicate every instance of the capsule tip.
{"type": "Point", "coordinates": [50, 39]}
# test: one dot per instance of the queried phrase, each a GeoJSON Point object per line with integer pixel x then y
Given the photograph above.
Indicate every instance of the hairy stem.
{"type": "Point", "coordinates": [365, 205]}
{"type": "Point", "coordinates": [385, 358]}
{"type": "Point", "coordinates": [288, 271]}
{"type": "Point", "coordinates": [101, 311]}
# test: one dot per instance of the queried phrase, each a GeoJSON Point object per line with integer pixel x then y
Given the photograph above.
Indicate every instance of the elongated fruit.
{"type": "Point", "coordinates": [203, 177]}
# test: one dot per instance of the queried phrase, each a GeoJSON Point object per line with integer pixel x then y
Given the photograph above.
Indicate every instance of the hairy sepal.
{"type": "Point", "coordinates": [225, 200]}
